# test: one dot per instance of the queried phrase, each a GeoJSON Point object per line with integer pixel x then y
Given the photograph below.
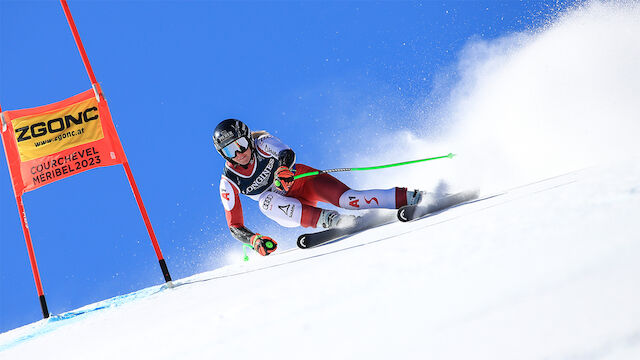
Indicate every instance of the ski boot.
{"type": "Point", "coordinates": [414, 197]}
{"type": "Point", "coordinates": [331, 219]}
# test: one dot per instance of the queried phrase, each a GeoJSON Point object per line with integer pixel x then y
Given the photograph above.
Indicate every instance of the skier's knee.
{"type": "Point", "coordinates": [368, 199]}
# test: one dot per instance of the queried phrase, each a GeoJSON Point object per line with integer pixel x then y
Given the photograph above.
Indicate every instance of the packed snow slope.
{"type": "Point", "coordinates": [543, 266]}
{"type": "Point", "coordinates": [548, 270]}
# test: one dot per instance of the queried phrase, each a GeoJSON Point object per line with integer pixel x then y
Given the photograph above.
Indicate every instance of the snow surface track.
{"type": "Point", "coordinates": [545, 270]}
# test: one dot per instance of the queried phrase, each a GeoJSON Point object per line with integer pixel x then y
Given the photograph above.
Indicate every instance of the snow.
{"type": "Point", "coordinates": [545, 270]}
{"type": "Point", "coordinates": [545, 266]}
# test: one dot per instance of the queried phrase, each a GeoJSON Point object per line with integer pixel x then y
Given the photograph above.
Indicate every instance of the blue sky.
{"type": "Point", "coordinates": [171, 71]}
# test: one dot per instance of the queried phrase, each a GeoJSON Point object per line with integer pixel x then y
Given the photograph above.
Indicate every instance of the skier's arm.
{"type": "Point", "coordinates": [230, 196]}
{"type": "Point", "coordinates": [270, 145]}
{"type": "Point", "coordinates": [287, 158]}
{"type": "Point", "coordinates": [241, 233]}
{"type": "Point", "coordinates": [284, 175]}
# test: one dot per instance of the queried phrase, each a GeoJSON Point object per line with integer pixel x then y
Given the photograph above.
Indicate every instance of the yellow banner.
{"type": "Point", "coordinates": [54, 131]}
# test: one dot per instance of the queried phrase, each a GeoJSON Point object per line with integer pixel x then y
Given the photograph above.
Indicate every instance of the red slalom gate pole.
{"type": "Point", "coordinates": [127, 169]}
{"type": "Point", "coordinates": [32, 257]}
{"type": "Point", "coordinates": [32, 254]}
{"type": "Point", "coordinates": [76, 36]}
{"type": "Point", "coordinates": [147, 222]}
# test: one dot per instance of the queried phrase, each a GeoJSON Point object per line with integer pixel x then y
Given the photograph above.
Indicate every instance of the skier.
{"type": "Point", "coordinates": [260, 166]}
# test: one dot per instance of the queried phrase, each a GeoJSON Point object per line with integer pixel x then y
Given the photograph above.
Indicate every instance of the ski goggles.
{"type": "Point", "coordinates": [239, 145]}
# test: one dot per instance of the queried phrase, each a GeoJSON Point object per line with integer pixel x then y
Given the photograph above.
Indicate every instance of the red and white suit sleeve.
{"type": "Point", "coordinates": [270, 146]}
{"type": "Point", "coordinates": [230, 196]}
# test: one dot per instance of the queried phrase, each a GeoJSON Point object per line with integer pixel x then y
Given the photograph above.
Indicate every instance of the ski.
{"type": "Point", "coordinates": [414, 212]}
{"type": "Point", "coordinates": [306, 241]}
{"type": "Point", "coordinates": [405, 213]}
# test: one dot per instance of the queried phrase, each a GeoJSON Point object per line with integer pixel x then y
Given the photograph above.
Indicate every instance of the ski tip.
{"type": "Point", "coordinates": [402, 214]}
{"type": "Point", "coordinates": [302, 241]}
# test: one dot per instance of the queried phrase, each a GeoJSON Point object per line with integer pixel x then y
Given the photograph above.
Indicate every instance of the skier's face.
{"type": "Point", "coordinates": [243, 158]}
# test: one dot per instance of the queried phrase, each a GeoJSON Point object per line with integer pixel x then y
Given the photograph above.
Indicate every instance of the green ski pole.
{"type": "Point", "coordinates": [313, 173]}
{"type": "Point", "coordinates": [244, 248]}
